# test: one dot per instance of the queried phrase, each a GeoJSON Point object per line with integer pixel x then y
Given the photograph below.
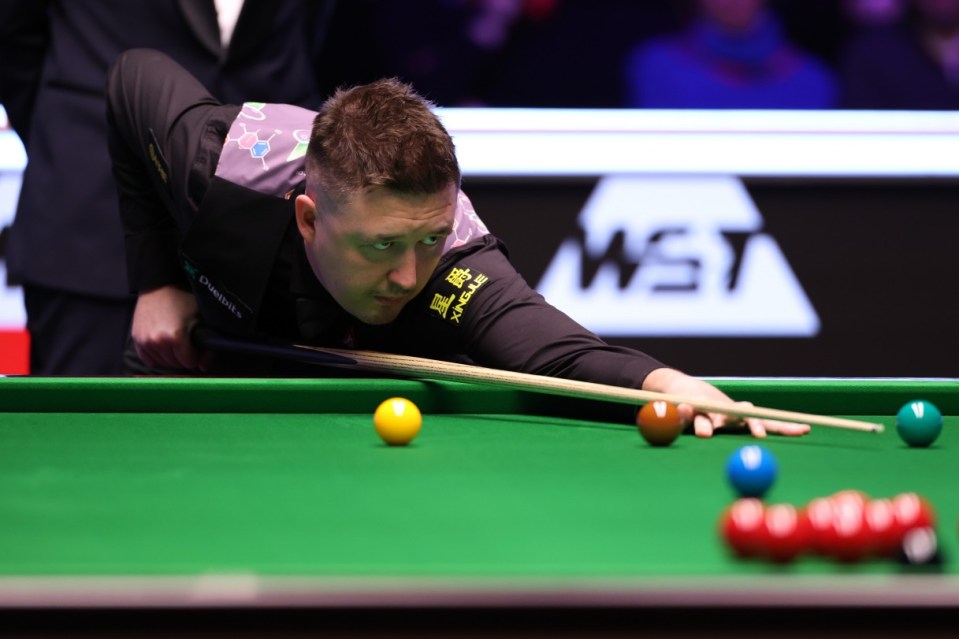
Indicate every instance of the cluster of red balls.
{"type": "Point", "coordinates": [847, 526]}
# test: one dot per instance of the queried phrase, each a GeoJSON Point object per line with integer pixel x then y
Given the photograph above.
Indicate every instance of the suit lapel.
{"type": "Point", "coordinates": [249, 25]}
{"type": "Point", "coordinates": [200, 16]}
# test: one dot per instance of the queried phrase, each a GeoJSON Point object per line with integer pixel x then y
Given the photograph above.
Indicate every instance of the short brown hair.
{"type": "Point", "coordinates": [379, 134]}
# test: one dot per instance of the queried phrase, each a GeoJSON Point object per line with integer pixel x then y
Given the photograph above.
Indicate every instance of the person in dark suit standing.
{"type": "Point", "coordinates": [66, 243]}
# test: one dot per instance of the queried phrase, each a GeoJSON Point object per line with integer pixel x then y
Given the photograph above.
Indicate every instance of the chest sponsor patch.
{"type": "Point", "coordinates": [222, 297]}
{"type": "Point", "coordinates": [460, 284]}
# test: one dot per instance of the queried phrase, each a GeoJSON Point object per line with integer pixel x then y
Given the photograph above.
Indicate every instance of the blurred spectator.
{"type": "Point", "coordinates": [909, 64]}
{"type": "Point", "coordinates": [733, 54]}
{"type": "Point", "coordinates": [66, 247]}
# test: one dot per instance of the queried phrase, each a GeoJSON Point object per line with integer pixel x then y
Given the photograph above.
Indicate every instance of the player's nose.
{"type": "Point", "coordinates": [403, 272]}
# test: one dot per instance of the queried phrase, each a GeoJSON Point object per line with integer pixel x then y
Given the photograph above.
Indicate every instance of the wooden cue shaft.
{"type": "Point", "coordinates": [451, 371]}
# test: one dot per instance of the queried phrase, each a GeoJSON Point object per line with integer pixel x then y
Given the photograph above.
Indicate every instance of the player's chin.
{"type": "Point", "coordinates": [379, 314]}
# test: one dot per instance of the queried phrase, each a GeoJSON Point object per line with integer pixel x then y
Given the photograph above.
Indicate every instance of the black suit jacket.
{"type": "Point", "coordinates": [54, 57]}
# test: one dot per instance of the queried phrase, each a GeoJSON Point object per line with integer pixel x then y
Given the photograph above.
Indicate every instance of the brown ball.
{"type": "Point", "coordinates": [659, 423]}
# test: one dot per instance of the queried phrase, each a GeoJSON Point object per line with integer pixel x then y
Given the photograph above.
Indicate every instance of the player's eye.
{"type": "Point", "coordinates": [382, 246]}
{"type": "Point", "coordinates": [431, 240]}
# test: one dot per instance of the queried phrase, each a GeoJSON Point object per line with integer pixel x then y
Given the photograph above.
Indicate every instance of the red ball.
{"type": "Point", "coordinates": [786, 533]}
{"type": "Point", "coordinates": [849, 539]}
{"type": "Point", "coordinates": [659, 423]}
{"type": "Point", "coordinates": [819, 514]}
{"type": "Point", "coordinates": [913, 511]}
{"type": "Point", "coordinates": [886, 533]}
{"type": "Point", "coordinates": [742, 527]}
{"type": "Point", "coordinates": [857, 497]}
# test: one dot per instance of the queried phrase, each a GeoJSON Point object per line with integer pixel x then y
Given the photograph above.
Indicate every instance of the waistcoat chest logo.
{"type": "Point", "coordinates": [206, 288]}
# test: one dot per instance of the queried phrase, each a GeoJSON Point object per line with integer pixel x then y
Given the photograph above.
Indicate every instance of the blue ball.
{"type": "Point", "coordinates": [751, 470]}
{"type": "Point", "coordinates": [919, 423]}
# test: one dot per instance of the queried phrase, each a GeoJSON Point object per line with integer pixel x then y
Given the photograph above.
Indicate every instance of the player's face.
{"type": "Point", "coordinates": [377, 252]}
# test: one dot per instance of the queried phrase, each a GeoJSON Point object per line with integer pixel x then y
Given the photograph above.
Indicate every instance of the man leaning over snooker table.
{"type": "Point", "coordinates": [361, 239]}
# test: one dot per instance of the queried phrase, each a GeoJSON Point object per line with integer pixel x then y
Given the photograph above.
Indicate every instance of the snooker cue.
{"type": "Point", "coordinates": [423, 368]}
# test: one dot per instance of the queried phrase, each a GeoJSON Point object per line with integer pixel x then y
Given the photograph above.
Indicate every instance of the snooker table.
{"type": "Point", "coordinates": [252, 506]}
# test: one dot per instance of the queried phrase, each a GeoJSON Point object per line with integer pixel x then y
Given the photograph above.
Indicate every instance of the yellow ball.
{"type": "Point", "coordinates": [397, 421]}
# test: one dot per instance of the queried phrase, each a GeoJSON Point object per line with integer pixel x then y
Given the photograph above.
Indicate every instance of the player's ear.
{"type": "Point", "coordinates": [305, 216]}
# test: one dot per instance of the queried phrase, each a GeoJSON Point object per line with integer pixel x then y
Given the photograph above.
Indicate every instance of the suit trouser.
{"type": "Point", "coordinates": [75, 334]}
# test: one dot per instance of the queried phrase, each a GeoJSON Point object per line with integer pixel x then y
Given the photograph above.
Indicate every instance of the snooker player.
{"type": "Point", "coordinates": [343, 228]}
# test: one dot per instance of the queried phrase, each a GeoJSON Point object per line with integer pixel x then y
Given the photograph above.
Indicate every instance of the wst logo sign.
{"type": "Point", "coordinates": [676, 256]}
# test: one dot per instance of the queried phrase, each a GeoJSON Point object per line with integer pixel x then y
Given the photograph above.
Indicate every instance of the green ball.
{"type": "Point", "coordinates": [919, 423]}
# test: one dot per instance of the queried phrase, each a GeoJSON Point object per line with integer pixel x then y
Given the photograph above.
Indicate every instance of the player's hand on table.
{"type": "Point", "coordinates": [161, 329]}
{"type": "Point", "coordinates": [673, 382]}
